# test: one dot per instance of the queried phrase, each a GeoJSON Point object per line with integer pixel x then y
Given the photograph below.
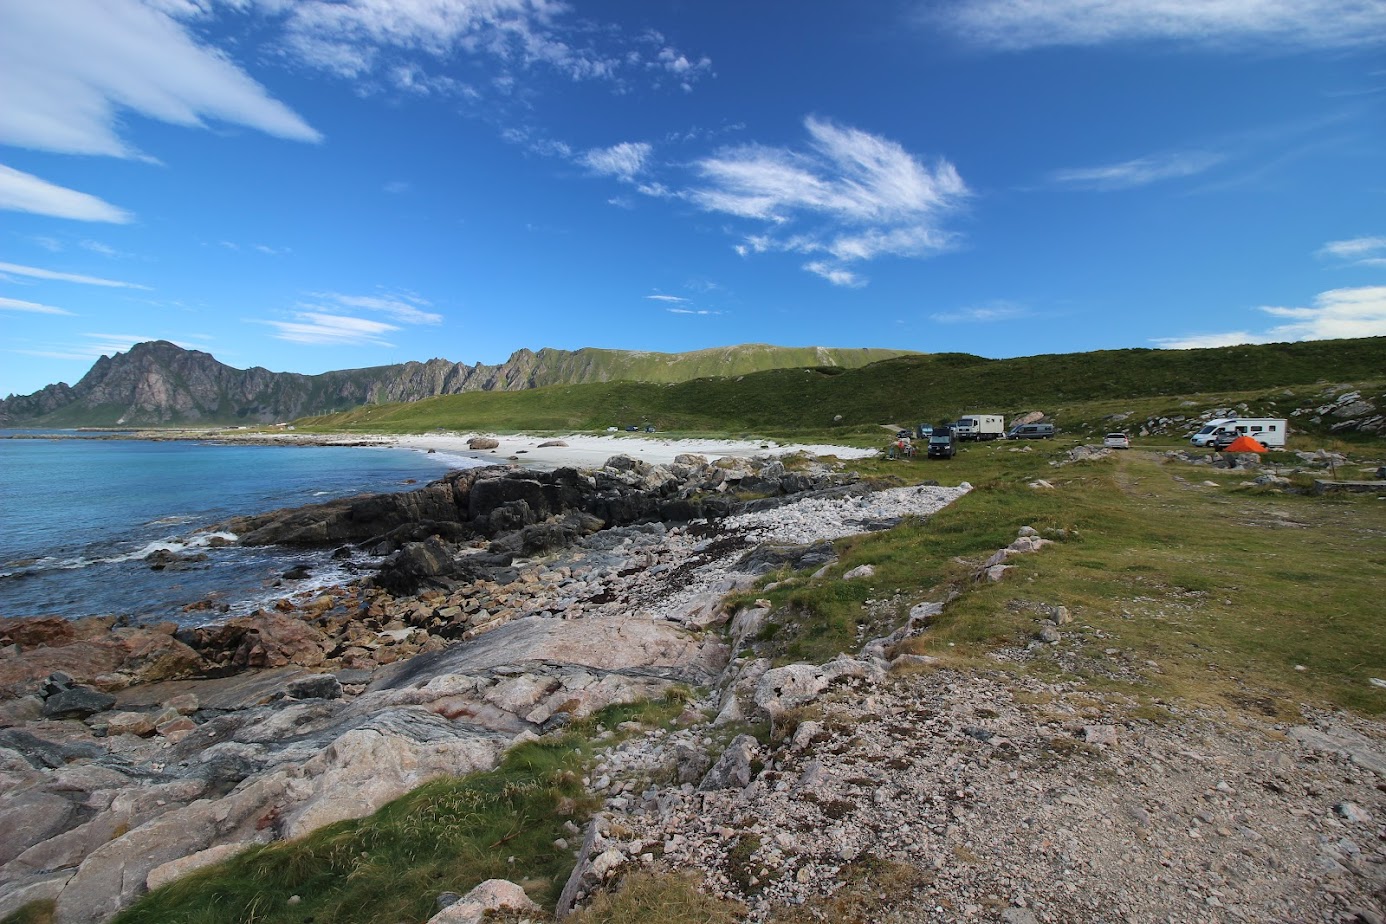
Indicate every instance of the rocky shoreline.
{"type": "Point", "coordinates": [511, 602]}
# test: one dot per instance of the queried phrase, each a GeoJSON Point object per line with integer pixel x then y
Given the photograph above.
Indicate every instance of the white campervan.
{"type": "Point", "coordinates": [1268, 431]}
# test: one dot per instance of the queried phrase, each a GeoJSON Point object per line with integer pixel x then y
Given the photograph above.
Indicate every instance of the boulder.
{"type": "Point", "coordinates": [733, 769]}
{"type": "Point", "coordinates": [77, 703]}
{"type": "Point", "coordinates": [264, 639]}
{"type": "Point", "coordinates": [489, 897]}
{"type": "Point", "coordinates": [482, 442]}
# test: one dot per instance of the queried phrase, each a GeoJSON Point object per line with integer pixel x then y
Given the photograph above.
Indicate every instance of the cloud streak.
{"type": "Point", "coordinates": [24, 192]}
{"type": "Point", "coordinates": [318, 329]}
{"type": "Point", "coordinates": [983, 314]}
{"type": "Point", "coordinates": [14, 304]}
{"type": "Point", "coordinates": [405, 309]}
{"type": "Point", "coordinates": [71, 68]}
{"type": "Point", "coordinates": [1142, 171]}
{"type": "Point", "coordinates": [37, 272]}
{"type": "Point", "coordinates": [1015, 25]}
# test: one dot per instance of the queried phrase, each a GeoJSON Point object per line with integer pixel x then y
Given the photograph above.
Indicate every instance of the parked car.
{"type": "Point", "coordinates": [633, 428]}
{"type": "Point", "coordinates": [649, 428]}
{"type": "Point", "coordinates": [924, 431]}
{"type": "Point", "coordinates": [1031, 431]}
{"type": "Point", "coordinates": [903, 435]}
{"type": "Point", "coordinates": [1116, 441]}
{"type": "Point", "coordinates": [941, 446]}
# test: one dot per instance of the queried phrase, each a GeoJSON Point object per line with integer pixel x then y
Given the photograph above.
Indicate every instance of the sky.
{"type": "Point", "coordinates": [308, 185]}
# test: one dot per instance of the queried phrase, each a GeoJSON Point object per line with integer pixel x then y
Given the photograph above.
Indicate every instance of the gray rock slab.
{"type": "Point", "coordinates": [648, 647]}
{"type": "Point", "coordinates": [240, 691]}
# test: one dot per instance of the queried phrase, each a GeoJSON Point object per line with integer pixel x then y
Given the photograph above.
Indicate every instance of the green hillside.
{"type": "Point", "coordinates": [1074, 389]}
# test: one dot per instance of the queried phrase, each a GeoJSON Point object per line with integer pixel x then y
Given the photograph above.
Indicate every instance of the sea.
{"type": "Point", "coordinates": [81, 514]}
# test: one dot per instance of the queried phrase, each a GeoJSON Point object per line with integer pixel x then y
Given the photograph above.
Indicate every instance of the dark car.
{"type": "Point", "coordinates": [941, 446]}
{"type": "Point", "coordinates": [649, 428]}
{"type": "Point", "coordinates": [903, 435]}
{"type": "Point", "coordinates": [924, 431]}
{"type": "Point", "coordinates": [632, 429]}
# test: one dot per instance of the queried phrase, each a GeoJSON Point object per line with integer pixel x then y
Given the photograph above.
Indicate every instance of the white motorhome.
{"type": "Point", "coordinates": [1268, 431]}
{"type": "Point", "coordinates": [980, 427]}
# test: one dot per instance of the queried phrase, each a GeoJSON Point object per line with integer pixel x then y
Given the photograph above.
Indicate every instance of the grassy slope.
{"type": "Point", "coordinates": [1075, 389]}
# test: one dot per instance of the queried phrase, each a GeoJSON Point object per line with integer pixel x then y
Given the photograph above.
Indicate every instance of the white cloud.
{"type": "Point", "coordinates": [14, 304]}
{"type": "Point", "coordinates": [1358, 251]}
{"type": "Point", "coordinates": [984, 314]}
{"type": "Point", "coordinates": [1139, 172]}
{"type": "Point", "coordinates": [624, 161]}
{"type": "Point", "coordinates": [69, 69]}
{"type": "Point", "coordinates": [36, 272]}
{"type": "Point", "coordinates": [24, 192]}
{"type": "Point", "coordinates": [692, 311]}
{"type": "Point", "coordinates": [1021, 24]}
{"type": "Point", "coordinates": [407, 309]}
{"type": "Point", "coordinates": [1356, 312]}
{"type": "Point", "coordinates": [397, 187]}
{"type": "Point", "coordinates": [672, 299]}
{"type": "Point", "coordinates": [863, 196]}
{"type": "Point", "coordinates": [1335, 314]}
{"type": "Point", "coordinates": [334, 330]}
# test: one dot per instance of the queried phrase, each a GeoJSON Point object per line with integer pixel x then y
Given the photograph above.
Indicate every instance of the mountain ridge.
{"type": "Point", "coordinates": [158, 383]}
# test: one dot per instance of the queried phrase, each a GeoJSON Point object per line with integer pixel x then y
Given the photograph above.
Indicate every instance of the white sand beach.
{"type": "Point", "coordinates": [589, 451]}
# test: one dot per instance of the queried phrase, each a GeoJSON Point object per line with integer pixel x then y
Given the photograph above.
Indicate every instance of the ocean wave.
{"type": "Point", "coordinates": [172, 546]}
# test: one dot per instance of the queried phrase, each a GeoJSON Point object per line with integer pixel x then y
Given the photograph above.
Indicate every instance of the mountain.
{"type": "Point", "coordinates": [159, 383]}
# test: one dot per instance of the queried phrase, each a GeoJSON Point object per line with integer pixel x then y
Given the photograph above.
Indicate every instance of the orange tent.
{"type": "Point", "coordinates": [1245, 443]}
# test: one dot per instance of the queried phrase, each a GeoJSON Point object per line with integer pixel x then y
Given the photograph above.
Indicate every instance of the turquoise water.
{"type": "Point", "coordinates": [78, 516]}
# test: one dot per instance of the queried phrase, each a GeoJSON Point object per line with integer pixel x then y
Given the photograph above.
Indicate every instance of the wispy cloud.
{"type": "Point", "coordinates": [37, 272]}
{"type": "Point", "coordinates": [397, 187]}
{"type": "Point", "coordinates": [989, 313]}
{"type": "Point", "coordinates": [1357, 251]}
{"type": "Point", "coordinates": [97, 345]}
{"type": "Point", "coordinates": [836, 275]}
{"type": "Point", "coordinates": [14, 304]}
{"type": "Point", "coordinates": [319, 329]}
{"type": "Point", "coordinates": [392, 42]}
{"type": "Point", "coordinates": [72, 68]}
{"type": "Point", "coordinates": [1289, 24]}
{"type": "Point", "coordinates": [1139, 172]}
{"type": "Point", "coordinates": [24, 192]}
{"type": "Point", "coordinates": [1335, 314]}
{"type": "Point", "coordinates": [849, 196]}
{"type": "Point", "coordinates": [692, 311]}
{"type": "Point", "coordinates": [406, 309]}
{"type": "Point", "coordinates": [105, 250]}
{"type": "Point", "coordinates": [671, 299]}
{"type": "Point", "coordinates": [624, 161]}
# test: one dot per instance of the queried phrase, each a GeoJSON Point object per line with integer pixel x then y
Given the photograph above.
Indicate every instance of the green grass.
{"type": "Point", "coordinates": [1244, 597]}
{"type": "Point", "coordinates": [32, 913]}
{"type": "Point", "coordinates": [1078, 392]}
{"type": "Point", "coordinates": [447, 835]}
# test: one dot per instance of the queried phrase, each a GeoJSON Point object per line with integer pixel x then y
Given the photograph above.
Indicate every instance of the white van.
{"type": "Point", "coordinates": [1268, 431]}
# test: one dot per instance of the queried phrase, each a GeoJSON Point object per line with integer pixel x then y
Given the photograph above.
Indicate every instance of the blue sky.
{"type": "Point", "coordinates": [320, 185]}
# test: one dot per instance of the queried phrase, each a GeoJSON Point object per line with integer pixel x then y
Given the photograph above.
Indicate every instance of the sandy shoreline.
{"type": "Point", "coordinates": [579, 450]}
{"type": "Point", "coordinates": [589, 451]}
